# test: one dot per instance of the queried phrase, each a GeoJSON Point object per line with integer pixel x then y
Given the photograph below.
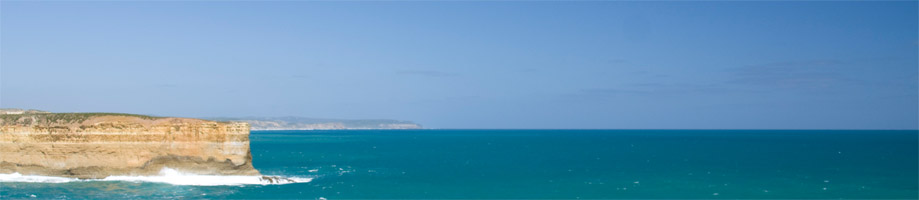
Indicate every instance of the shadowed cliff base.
{"type": "Point", "coordinates": [187, 164]}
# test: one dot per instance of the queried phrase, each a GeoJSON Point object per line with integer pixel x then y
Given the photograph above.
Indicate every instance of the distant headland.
{"type": "Point", "coordinates": [286, 123]}
{"type": "Point", "coordinates": [304, 123]}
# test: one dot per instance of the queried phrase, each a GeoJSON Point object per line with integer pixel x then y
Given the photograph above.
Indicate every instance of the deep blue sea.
{"type": "Point", "coordinates": [552, 164]}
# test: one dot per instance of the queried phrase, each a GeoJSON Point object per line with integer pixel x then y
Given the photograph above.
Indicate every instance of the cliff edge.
{"type": "Point", "coordinates": [97, 145]}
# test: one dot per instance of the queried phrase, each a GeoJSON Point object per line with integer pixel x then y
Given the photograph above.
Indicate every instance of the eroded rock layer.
{"type": "Point", "coordinates": [97, 145]}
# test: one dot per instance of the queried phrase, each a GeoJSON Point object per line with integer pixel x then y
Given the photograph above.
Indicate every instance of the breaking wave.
{"type": "Point", "coordinates": [169, 176]}
{"type": "Point", "coordinates": [16, 177]}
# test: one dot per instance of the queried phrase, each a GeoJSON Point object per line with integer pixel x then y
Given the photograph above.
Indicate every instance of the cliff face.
{"type": "Point", "coordinates": [96, 145]}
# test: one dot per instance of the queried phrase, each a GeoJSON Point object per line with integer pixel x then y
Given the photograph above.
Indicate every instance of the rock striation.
{"type": "Point", "coordinates": [97, 145]}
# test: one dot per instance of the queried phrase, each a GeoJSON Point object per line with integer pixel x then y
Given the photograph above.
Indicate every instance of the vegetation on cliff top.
{"type": "Point", "coordinates": [26, 118]}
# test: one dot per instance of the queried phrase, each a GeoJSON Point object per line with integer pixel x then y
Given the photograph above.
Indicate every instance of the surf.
{"type": "Point", "coordinates": [167, 176]}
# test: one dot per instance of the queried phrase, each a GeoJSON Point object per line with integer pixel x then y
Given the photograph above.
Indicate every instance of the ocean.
{"type": "Point", "coordinates": [538, 164]}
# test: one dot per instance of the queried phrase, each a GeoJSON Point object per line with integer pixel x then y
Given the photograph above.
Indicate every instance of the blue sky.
{"type": "Point", "coordinates": [662, 65]}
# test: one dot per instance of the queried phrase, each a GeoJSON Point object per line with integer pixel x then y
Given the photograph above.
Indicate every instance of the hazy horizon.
{"type": "Point", "coordinates": [473, 65]}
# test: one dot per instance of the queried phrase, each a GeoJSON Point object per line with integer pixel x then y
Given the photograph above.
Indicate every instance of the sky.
{"type": "Point", "coordinates": [532, 65]}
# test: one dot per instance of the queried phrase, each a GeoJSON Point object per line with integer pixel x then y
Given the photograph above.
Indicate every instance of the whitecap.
{"type": "Point", "coordinates": [175, 177]}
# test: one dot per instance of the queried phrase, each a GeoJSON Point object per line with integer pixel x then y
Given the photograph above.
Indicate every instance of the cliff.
{"type": "Point", "coordinates": [303, 123]}
{"type": "Point", "coordinates": [97, 145]}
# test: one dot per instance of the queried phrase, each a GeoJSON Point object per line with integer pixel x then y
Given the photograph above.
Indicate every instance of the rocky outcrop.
{"type": "Point", "coordinates": [97, 145]}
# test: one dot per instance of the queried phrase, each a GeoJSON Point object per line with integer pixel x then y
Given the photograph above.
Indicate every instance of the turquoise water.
{"type": "Point", "coordinates": [586, 164]}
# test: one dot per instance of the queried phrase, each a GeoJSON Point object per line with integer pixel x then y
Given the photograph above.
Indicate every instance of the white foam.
{"type": "Point", "coordinates": [166, 175]}
{"type": "Point", "coordinates": [17, 177]}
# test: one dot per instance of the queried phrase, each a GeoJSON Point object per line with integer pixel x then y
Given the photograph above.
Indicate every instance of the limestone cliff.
{"type": "Point", "coordinates": [96, 145]}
